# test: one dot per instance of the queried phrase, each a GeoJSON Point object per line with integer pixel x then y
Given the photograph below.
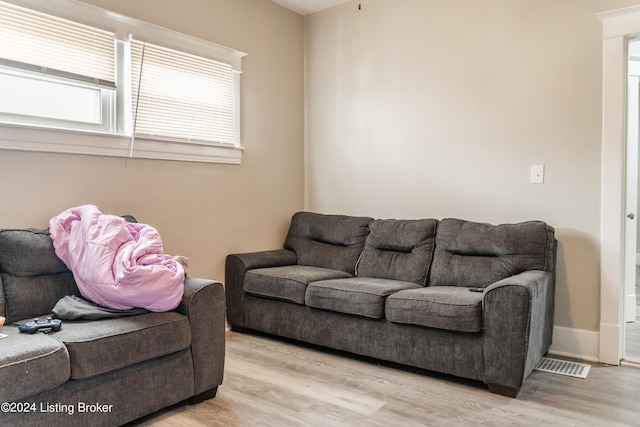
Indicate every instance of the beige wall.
{"type": "Point", "coordinates": [438, 109]}
{"type": "Point", "coordinates": [203, 211]}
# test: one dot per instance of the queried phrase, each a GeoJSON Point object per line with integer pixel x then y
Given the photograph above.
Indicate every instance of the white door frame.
{"type": "Point", "coordinates": [617, 26]}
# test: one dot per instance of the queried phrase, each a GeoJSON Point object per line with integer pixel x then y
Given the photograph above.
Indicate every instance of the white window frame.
{"type": "Point", "coordinates": [29, 138]}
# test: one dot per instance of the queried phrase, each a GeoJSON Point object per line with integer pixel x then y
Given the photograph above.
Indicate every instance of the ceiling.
{"type": "Point", "coordinates": [306, 7]}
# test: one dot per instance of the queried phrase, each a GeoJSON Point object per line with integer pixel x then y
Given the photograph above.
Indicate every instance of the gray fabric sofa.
{"type": "Point", "coordinates": [462, 298]}
{"type": "Point", "coordinates": [103, 372]}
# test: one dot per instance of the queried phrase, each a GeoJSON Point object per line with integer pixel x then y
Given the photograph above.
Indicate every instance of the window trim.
{"type": "Point", "coordinates": [41, 139]}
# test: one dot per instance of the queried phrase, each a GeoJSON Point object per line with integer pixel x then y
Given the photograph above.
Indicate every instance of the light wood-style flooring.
{"type": "Point", "coordinates": [272, 382]}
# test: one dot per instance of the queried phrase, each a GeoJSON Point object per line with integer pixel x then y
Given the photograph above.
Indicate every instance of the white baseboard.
{"type": "Point", "coordinates": [575, 343]}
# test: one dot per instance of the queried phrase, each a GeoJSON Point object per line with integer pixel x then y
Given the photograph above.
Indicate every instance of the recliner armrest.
{"type": "Point", "coordinates": [237, 266]}
{"type": "Point", "coordinates": [517, 327]}
{"type": "Point", "coordinates": [203, 303]}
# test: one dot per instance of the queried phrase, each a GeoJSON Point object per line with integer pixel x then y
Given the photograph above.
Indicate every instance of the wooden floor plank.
{"type": "Point", "coordinates": [272, 382]}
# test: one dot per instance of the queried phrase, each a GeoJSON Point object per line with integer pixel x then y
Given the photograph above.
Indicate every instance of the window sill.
{"type": "Point", "coordinates": [49, 140]}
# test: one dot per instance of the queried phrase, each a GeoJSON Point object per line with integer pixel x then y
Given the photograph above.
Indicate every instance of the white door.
{"type": "Point", "coordinates": [631, 228]}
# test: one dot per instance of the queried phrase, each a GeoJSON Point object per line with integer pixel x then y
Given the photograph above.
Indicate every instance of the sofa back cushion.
{"type": "Point", "coordinates": [477, 255]}
{"type": "Point", "coordinates": [327, 241]}
{"type": "Point", "coordinates": [32, 277]}
{"type": "Point", "coordinates": [398, 250]}
{"type": "Point", "coordinates": [28, 252]}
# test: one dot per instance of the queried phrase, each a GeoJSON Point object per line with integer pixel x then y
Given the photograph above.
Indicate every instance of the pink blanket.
{"type": "Point", "coordinates": [117, 264]}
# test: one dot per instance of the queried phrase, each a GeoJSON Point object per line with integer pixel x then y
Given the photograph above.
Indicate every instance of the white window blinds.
{"type": "Point", "coordinates": [112, 85]}
{"type": "Point", "coordinates": [181, 97]}
{"type": "Point", "coordinates": [34, 41]}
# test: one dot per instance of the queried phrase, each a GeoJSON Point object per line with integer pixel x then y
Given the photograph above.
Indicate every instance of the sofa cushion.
{"type": "Point", "coordinates": [28, 252]}
{"type": "Point", "coordinates": [327, 241]}
{"type": "Point", "coordinates": [287, 283]}
{"type": "Point", "coordinates": [33, 278]}
{"type": "Point", "coordinates": [100, 346]}
{"type": "Point", "coordinates": [30, 364]}
{"type": "Point", "coordinates": [363, 296]}
{"type": "Point", "coordinates": [398, 250]}
{"type": "Point", "coordinates": [444, 307]}
{"type": "Point", "coordinates": [31, 296]}
{"type": "Point", "coordinates": [474, 254]}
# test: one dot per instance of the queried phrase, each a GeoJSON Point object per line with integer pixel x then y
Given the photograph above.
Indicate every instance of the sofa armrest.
{"type": "Point", "coordinates": [204, 304]}
{"type": "Point", "coordinates": [237, 266]}
{"type": "Point", "coordinates": [517, 328]}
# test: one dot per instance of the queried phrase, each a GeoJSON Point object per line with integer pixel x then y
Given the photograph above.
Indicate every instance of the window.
{"type": "Point", "coordinates": [54, 72]}
{"type": "Point", "coordinates": [180, 96]}
{"type": "Point", "coordinates": [111, 85]}
{"type": "Point", "coordinates": [31, 99]}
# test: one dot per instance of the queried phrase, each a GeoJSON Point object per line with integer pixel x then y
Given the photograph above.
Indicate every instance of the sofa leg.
{"type": "Point", "coordinates": [205, 395]}
{"type": "Point", "coordinates": [503, 390]}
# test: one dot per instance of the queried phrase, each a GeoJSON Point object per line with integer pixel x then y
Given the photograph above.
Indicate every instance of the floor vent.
{"type": "Point", "coordinates": [563, 367]}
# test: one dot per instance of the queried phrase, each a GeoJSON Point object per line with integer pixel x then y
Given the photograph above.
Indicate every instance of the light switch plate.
{"type": "Point", "coordinates": [537, 174]}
